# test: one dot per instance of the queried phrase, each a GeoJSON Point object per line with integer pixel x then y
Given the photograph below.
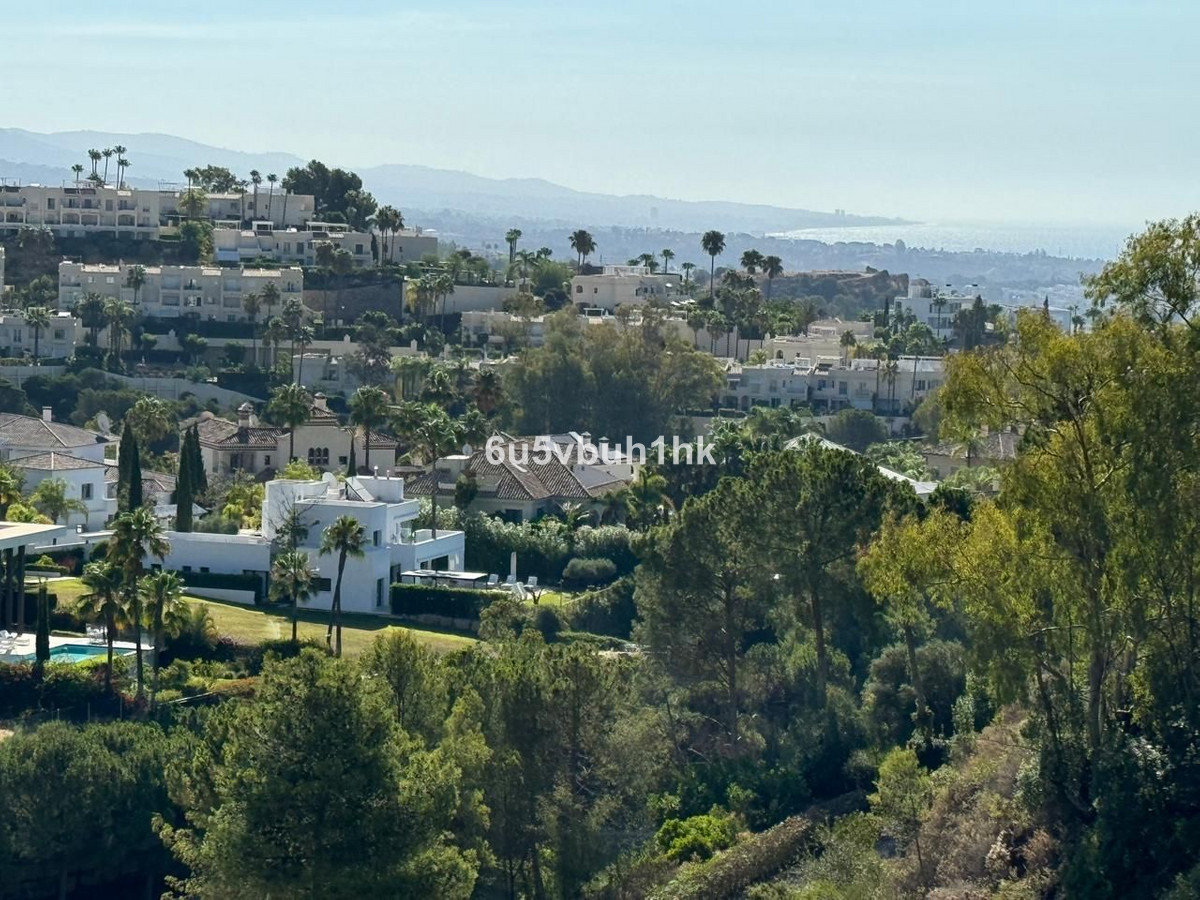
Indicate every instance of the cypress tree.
{"type": "Point", "coordinates": [196, 463]}
{"type": "Point", "coordinates": [183, 494]}
{"type": "Point", "coordinates": [128, 442]}
{"type": "Point", "coordinates": [352, 466]}
{"type": "Point", "coordinates": [135, 476]}
{"type": "Point", "coordinates": [41, 639]}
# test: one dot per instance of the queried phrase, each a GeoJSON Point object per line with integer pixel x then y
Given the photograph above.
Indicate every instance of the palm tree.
{"type": "Point", "coordinates": [511, 238]}
{"type": "Point", "coordinates": [847, 341]}
{"type": "Point", "coordinates": [291, 405]}
{"type": "Point", "coordinates": [270, 296]}
{"type": "Point", "coordinates": [252, 304]}
{"type": "Point", "coordinates": [51, 500]}
{"type": "Point", "coordinates": [687, 273]}
{"type": "Point", "coordinates": [77, 169]}
{"type": "Point", "coordinates": [275, 334]}
{"type": "Point", "coordinates": [256, 180]}
{"type": "Point", "coordinates": [90, 310]}
{"type": "Point", "coordinates": [136, 535]}
{"type": "Point", "coordinates": [667, 255]}
{"type": "Point", "coordinates": [119, 314]}
{"type": "Point", "coordinates": [37, 318]}
{"type": "Point", "coordinates": [271, 179]}
{"type": "Point", "coordinates": [752, 261]}
{"type": "Point", "coordinates": [135, 279]}
{"type": "Point", "coordinates": [103, 580]}
{"type": "Point", "coordinates": [713, 243]}
{"type": "Point", "coordinates": [122, 168]}
{"type": "Point", "coordinates": [489, 391]}
{"type": "Point", "coordinates": [240, 187]}
{"type": "Point", "coordinates": [107, 154]}
{"type": "Point", "coordinates": [584, 246]}
{"type": "Point", "coordinates": [772, 267]}
{"type": "Point", "coordinates": [161, 594]}
{"type": "Point", "coordinates": [368, 411]}
{"type": "Point", "coordinates": [346, 538]}
{"type": "Point", "coordinates": [292, 579]}
{"type": "Point", "coordinates": [647, 499]}
{"type": "Point", "coordinates": [119, 151]}
{"type": "Point", "coordinates": [94, 156]}
{"type": "Point", "coordinates": [302, 338]}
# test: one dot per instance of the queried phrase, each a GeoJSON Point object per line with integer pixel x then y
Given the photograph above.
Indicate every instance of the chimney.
{"type": "Point", "coordinates": [47, 414]}
{"type": "Point", "coordinates": [320, 402]}
{"type": "Point", "coordinates": [244, 415]}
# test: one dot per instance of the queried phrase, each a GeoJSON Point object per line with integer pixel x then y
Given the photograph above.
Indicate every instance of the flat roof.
{"type": "Point", "coordinates": [21, 534]}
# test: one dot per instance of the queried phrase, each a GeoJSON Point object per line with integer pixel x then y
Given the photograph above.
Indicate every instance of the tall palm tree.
{"type": "Point", "coordinates": [252, 304]}
{"type": "Point", "coordinates": [368, 411]}
{"type": "Point", "coordinates": [162, 596]}
{"type": "Point", "coordinates": [119, 314]}
{"type": "Point", "coordinates": [292, 580]}
{"type": "Point", "coordinates": [270, 296]}
{"type": "Point", "coordinates": [256, 180]}
{"type": "Point", "coordinates": [122, 163]}
{"type": "Point", "coordinates": [271, 179]}
{"type": "Point", "coordinates": [584, 246]}
{"type": "Point", "coordinates": [772, 267]}
{"type": "Point", "coordinates": [302, 338]}
{"type": "Point", "coordinates": [77, 170]}
{"type": "Point", "coordinates": [291, 405]}
{"type": "Point", "coordinates": [687, 273]}
{"type": "Point", "coordinates": [37, 318]}
{"type": "Point", "coordinates": [847, 341]}
{"type": "Point", "coordinates": [103, 599]}
{"type": "Point", "coordinates": [275, 334]}
{"type": "Point", "coordinates": [667, 254]}
{"type": "Point", "coordinates": [649, 503]}
{"type": "Point", "coordinates": [95, 156]}
{"type": "Point", "coordinates": [240, 187]}
{"type": "Point", "coordinates": [489, 391]}
{"type": "Point", "coordinates": [713, 243]}
{"type": "Point", "coordinates": [107, 153]}
{"type": "Point", "coordinates": [90, 310]}
{"type": "Point", "coordinates": [511, 237]}
{"type": "Point", "coordinates": [346, 538]}
{"type": "Point", "coordinates": [136, 535]}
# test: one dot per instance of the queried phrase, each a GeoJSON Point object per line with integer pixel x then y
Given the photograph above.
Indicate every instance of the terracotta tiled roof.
{"type": "Point", "coordinates": [27, 432]}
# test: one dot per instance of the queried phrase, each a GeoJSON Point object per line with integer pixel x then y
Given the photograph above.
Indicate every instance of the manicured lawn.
{"type": "Point", "coordinates": [252, 625]}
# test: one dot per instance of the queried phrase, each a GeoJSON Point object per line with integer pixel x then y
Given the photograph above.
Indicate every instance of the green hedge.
{"type": "Point", "coordinates": [224, 582]}
{"type": "Point", "coordinates": [457, 603]}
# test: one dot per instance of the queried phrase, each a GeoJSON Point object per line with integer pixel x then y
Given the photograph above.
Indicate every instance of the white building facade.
{"type": "Point", "coordinates": [623, 286]}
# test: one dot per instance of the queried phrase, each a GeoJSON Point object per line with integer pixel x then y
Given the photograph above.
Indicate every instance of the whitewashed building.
{"type": "Point", "coordinates": [71, 210]}
{"type": "Point", "coordinates": [57, 341]}
{"type": "Point", "coordinates": [623, 286]}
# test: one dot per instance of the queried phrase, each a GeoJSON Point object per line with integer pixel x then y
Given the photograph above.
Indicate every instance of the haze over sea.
{"type": "Point", "coordinates": [1072, 241]}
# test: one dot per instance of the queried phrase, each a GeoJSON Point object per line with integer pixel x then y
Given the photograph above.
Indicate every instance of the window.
{"type": "Point", "coordinates": [318, 456]}
{"type": "Point", "coordinates": [49, 203]}
{"type": "Point", "coordinates": [108, 206]}
{"type": "Point", "coordinates": [376, 536]}
{"type": "Point", "coordinates": [378, 592]}
{"type": "Point", "coordinates": [842, 388]}
{"type": "Point", "coordinates": [267, 460]}
{"type": "Point", "coordinates": [579, 288]}
{"type": "Point", "coordinates": [85, 492]}
{"type": "Point", "coordinates": [322, 585]}
{"type": "Point", "coordinates": [921, 384]}
{"type": "Point", "coordinates": [204, 570]}
{"type": "Point", "coordinates": [358, 249]}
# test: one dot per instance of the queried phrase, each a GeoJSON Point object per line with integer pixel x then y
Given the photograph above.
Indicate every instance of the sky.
{"type": "Point", "coordinates": [1056, 111]}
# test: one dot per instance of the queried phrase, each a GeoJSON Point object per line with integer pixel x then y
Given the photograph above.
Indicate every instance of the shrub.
{"type": "Point", "coordinates": [281, 648]}
{"type": "Point", "coordinates": [583, 572]}
{"type": "Point", "coordinates": [609, 611]}
{"type": "Point", "coordinates": [547, 621]}
{"type": "Point", "coordinates": [614, 542]}
{"type": "Point", "coordinates": [698, 837]}
{"type": "Point", "coordinates": [457, 603]}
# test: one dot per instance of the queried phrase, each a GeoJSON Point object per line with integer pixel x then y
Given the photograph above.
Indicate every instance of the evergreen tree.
{"type": "Point", "coordinates": [42, 636]}
{"type": "Point", "coordinates": [184, 492]}
{"type": "Point", "coordinates": [134, 485]}
{"type": "Point", "coordinates": [352, 466]}
{"type": "Point", "coordinates": [124, 457]}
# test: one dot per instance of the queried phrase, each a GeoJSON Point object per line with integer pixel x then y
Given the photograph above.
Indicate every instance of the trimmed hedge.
{"type": "Point", "coordinates": [582, 572]}
{"type": "Point", "coordinates": [224, 581]}
{"type": "Point", "coordinates": [424, 599]}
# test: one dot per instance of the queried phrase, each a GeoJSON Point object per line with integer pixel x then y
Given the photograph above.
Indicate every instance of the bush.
{"type": "Point", "coordinates": [698, 837]}
{"type": "Point", "coordinates": [457, 603]}
{"type": "Point", "coordinates": [582, 572]}
{"type": "Point", "coordinates": [613, 542]}
{"type": "Point", "coordinates": [609, 611]}
{"type": "Point", "coordinates": [547, 621]}
{"type": "Point", "coordinates": [281, 648]}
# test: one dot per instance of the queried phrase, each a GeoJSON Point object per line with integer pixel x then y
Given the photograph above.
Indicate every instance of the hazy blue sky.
{"type": "Point", "coordinates": [943, 109]}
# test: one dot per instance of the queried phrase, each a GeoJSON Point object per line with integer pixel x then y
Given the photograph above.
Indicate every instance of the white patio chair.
{"type": "Point", "coordinates": [532, 583]}
{"type": "Point", "coordinates": [493, 580]}
{"type": "Point", "coordinates": [511, 579]}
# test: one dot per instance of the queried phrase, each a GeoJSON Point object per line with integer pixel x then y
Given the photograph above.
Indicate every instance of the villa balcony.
{"type": "Point", "coordinates": [420, 547]}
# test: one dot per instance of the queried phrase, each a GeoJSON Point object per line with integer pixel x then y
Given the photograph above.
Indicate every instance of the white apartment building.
{"type": "Point", "coordinates": [623, 286]}
{"type": "Point", "coordinates": [933, 306]}
{"type": "Point", "coordinates": [85, 480]}
{"type": "Point", "coordinates": [213, 293]}
{"type": "Point", "coordinates": [281, 209]}
{"type": "Point", "coordinates": [300, 245]}
{"type": "Point", "coordinates": [22, 436]}
{"type": "Point", "coordinates": [827, 384]}
{"type": "Point", "coordinates": [77, 211]}
{"type": "Point", "coordinates": [378, 504]}
{"type": "Point", "coordinates": [58, 341]}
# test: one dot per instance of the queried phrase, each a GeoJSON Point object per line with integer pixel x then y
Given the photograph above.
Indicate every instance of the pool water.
{"type": "Point", "coordinates": [71, 653]}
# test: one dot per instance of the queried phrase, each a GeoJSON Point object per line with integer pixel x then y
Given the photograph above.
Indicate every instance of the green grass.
{"type": "Point", "coordinates": [253, 625]}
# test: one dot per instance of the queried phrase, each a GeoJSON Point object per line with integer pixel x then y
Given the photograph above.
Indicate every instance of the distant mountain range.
{"type": "Point", "coordinates": [158, 158]}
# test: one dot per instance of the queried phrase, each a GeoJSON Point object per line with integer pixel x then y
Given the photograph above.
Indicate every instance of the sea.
{"type": "Point", "coordinates": [1087, 241]}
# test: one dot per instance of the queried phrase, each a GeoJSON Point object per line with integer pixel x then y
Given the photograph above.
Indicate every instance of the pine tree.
{"type": "Point", "coordinates": [352, 466]}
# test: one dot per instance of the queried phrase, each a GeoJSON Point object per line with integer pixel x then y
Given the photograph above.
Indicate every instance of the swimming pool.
{"type": "Point", "coordinates": [73, 653]}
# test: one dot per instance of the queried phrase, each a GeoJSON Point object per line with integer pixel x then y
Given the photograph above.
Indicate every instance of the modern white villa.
{"type": "Point", "coordinates": [378, 503]}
